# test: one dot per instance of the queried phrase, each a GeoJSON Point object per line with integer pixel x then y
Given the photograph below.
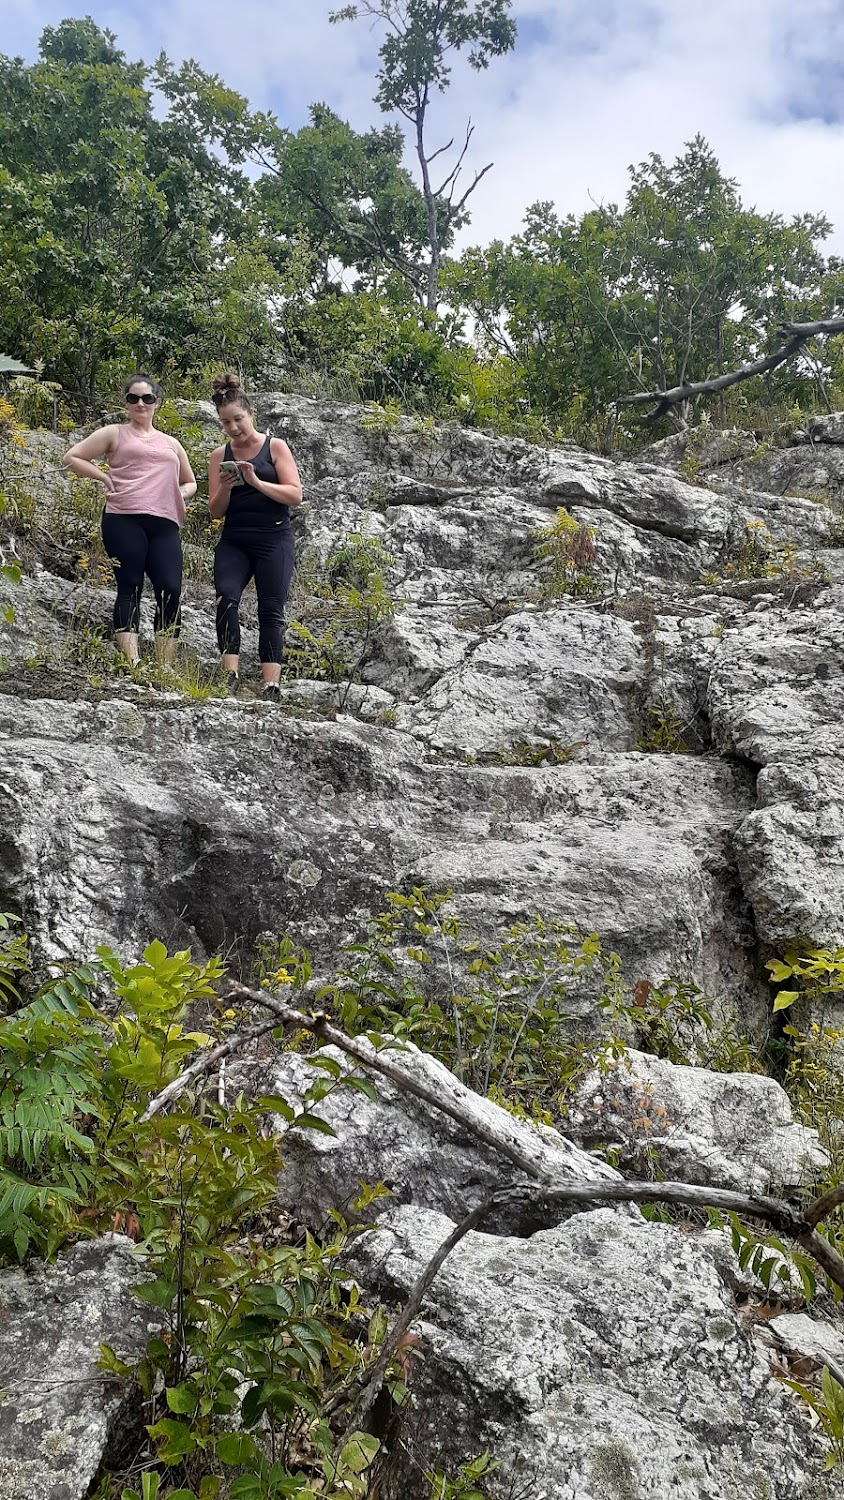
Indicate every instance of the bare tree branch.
{"type": "Point", "coordinates": [456, 207]}
{"type": "Point", "coordinates": [370, 1381]}
{"type": "Point", "coordinates": [797, 333]}
{"type": "Point", "coordinates": [440, 149]}
{"type": "Point", "coordinates": [718, 382]}
{"type": "Point", "coordinates": [452, 176]}
{"type": "Point", "coordinates": [808, 330]}
{"type": "Point", "coordinates": [460, 1103]}
{"type": "Point", "coordinates": [204, 1063]}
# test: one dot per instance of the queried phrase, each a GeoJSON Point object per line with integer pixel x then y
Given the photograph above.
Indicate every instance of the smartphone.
{"type": "Point", "coordinates": [228, 466]}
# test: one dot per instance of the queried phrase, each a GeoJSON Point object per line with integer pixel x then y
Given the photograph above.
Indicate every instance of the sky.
{"type": "Point", "coordinates": [592, 87]}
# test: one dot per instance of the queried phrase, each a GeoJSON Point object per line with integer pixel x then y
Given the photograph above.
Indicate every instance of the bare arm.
{"type": "Point", "coordinates": [220, 486]}
{"type": "Point", "coordinates": [187, 482]}
{"type": "Point", "coordinates": [79, 458]}
{"type": "Point", "coordinates": [288, 490]}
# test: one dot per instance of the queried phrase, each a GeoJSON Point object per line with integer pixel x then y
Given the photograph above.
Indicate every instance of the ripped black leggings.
{"type": "Point", "coordinates": [138, 545]}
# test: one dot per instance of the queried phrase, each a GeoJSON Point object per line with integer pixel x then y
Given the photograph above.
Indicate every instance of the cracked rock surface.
{"type": "Point", "coordinates": [660, 764]}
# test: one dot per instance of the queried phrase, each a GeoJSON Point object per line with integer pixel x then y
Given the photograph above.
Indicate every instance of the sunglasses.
{"type": "Point", "coordinates": [133, 398]}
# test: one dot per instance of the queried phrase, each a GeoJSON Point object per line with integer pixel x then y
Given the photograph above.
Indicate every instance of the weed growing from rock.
{"type": "Point", "coordinates": [566, 552]}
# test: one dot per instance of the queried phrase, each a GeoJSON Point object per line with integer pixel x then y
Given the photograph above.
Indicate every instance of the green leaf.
{"type": "Point", "coordinates": [313, 1122]}
{"type": "Point", "coordinates": [108, 1360]}
{"type": "Point", "coordinates": [778, 970]}
{"type": "Point", "coordinates": [158, 1293]}
{"type": "Point", "coordinates": [359, 1452]}
{"type": "Point", "coordinates": [236, 1448]}
{"type": "Point", "coordinates": [182, 1399]}
{"type": "Point", "coordinates": [363, 1086]}
{"type": "Point", "coordinates": [274, 1104]}
{"type": "Point", "coordinates": [173, 1440]}
{"type": "Point", "coordinates": [785, 998]}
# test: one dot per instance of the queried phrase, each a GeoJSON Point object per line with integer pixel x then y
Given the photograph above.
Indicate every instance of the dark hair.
{"type": "Point", "coordinates": [138, 380]}
{"type": "Point", "coordinates": [226, 391]}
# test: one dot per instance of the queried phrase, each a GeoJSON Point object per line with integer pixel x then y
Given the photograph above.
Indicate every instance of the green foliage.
{"type": "Point", "coordinates": [816, 972]}
{"type": "Point", "coordinates": [772, 1262]}
{"type": "Point", "coordinates": [249, 1334]}
{"type": "Point", "coordinates": [95, 277]}
{"type": "Point", "coordinates": [339, 611]}
{"type": "Point", "coordinates": [566, 550]}
{"type": "Point", "coordinates": [662, 730]}
{"type": "Point", "coordinates": [828, 1406]}
{"type": "Point", "coordinates": [503, 1024]}
{"type": "Point", "coordinates": [35, 401]}
{"type": "Point", "coordinates": [539, 753]}
{"type": "Point", "coordinates": [673, 1020]}
{"type": "Point", "coordinates": [467, 1483]}
{"type": "Point", "coordinates": [644, 297]}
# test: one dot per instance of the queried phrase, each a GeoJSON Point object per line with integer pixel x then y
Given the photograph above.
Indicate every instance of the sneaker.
{"type": "Point", "coordinates": [271, 693]}
{"type": "Point", "coordinates": [232, 684]}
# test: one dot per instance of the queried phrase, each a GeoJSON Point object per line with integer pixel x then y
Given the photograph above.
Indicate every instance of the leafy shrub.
{"type": "Point", "coordinates": [567, 551]}
{"type": "Point", "coordinates": [503, 1023]}
{"type": "Point", "coordinates": [250, 1334]}
{"type": "Point", "coordinates": [339, 612]}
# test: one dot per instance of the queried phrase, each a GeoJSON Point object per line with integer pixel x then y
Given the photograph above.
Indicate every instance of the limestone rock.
{"type": "Point", "coordinates": [127, 820]}
{"type": "Point", "coordinates": [827, 429]}
{"type": "Point", "coordinates": [731, 1130]}
{"type": "Point", "coordinates": [776, 696]}
{"type": "Point", "coordinates": [422, 1155]}
{"type": "Point", "coordinates": [799, 1334]}
{"type": "Point", "coordinates": [560, 675]}
{"type": "Point", "coordinates": [602, 1358]}
{"type": "Point", "coordinates": [61, 1416]}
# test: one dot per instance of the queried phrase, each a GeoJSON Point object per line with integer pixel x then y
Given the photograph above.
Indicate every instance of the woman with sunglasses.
{"type": "Point", "coordinates": [147, 482]}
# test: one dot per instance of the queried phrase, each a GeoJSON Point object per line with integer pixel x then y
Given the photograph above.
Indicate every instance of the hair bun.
{"type": "Point", "coordinates": [224, 386]}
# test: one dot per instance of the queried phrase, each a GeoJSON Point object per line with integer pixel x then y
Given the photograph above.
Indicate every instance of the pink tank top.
{"type": "Point", "coordinates": [145, 476]}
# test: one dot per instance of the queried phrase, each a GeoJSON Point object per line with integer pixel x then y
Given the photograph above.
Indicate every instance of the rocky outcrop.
{"type": "Point", "coordinates": [732, 1130]}
{"type": "Point", "coordinates": [659, 763]}
{"type": "Point", "coordinates": [61, 1417]}
{"type": "Point", "coordinates": [420, 1155]}
{"type": "Point", "coordinates": [602, 1358]}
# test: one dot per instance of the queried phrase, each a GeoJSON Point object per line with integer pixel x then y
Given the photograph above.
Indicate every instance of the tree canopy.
{"type": "Point", "coordinates": [149, 217]}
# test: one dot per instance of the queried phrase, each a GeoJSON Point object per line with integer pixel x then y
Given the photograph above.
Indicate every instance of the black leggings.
{"type": "Point", "coordinates": [139, 544]}
{"type": "Point", "coordinates": [268, 556]}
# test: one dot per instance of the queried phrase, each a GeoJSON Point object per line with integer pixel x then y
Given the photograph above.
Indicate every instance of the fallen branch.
{"type": "Point", "coordinates": [203, 1064]}
{"type": "Point", "coordinates": [797, 335]}
{"type": "Point", "coordinates": [456, 1102]}
{"type": "Point", "coordinates": [460, 1104]}
{"type": "Point", "coordinates": [453, 1099]}
{"type": "Point", "coordinates": [369, 1383]}
{"type": "Point", "coordinates": [361, 1393]}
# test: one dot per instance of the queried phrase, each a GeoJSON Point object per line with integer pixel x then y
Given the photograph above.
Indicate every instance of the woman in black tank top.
{"type": "Point", "coordinates": [255, 499]}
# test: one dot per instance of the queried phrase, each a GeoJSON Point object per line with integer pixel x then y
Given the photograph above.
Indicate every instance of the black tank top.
{"type": "Point", "coordinates": [249, 510]}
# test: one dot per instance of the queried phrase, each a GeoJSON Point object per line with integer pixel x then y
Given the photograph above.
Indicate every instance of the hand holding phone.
{"type": "Point", "coordinates": [228, 466]}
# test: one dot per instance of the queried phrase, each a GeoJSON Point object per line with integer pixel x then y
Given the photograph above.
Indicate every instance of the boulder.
{"type": "Point", "coordinates": [420, 1154]}
{"type": "Point", "coordinates": [60, 1416]}
{"type": "Point", "coordinates": [729, 1130]}
{"type": "Point", "coordinates": [128, 819]}
{"type": "Point", "coordinates": [600, 1359]}
{"type": "Point", "coordinates": [776, 697]}
{"type": "Point", "coordinates": [828, 428]}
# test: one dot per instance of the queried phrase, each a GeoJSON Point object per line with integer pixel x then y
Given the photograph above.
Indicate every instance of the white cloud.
{"type": "Point", "coordinates": [589, 90]}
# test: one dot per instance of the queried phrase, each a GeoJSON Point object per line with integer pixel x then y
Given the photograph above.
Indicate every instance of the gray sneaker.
{"type": "Point", "coordinates": [271, 693]}
{"type": "Point", "coordinates": [232, 684]}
